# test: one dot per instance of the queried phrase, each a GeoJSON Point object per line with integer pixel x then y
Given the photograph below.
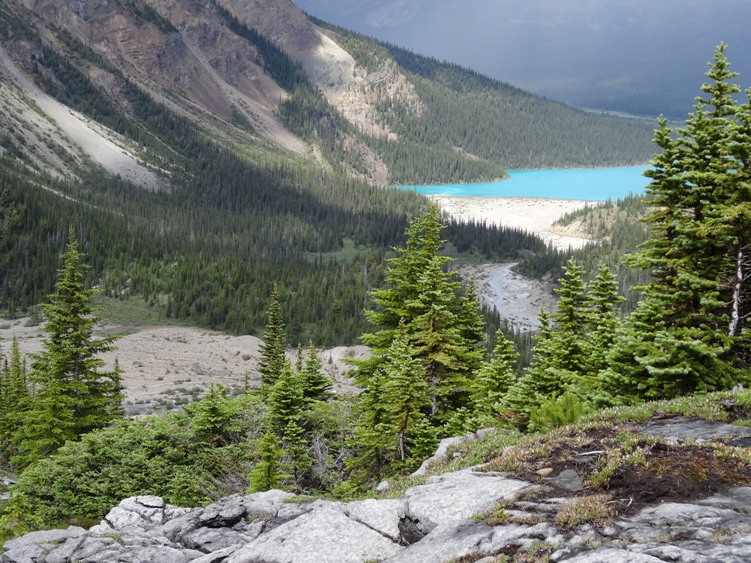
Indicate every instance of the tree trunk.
{"type": "Point", "coordinates": [735, 306]}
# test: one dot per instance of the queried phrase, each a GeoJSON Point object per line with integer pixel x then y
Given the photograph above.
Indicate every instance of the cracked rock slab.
{"type": "Point", "coordinates": [454, 497]}
{"type": "Point", "coordinates": [323, 535]}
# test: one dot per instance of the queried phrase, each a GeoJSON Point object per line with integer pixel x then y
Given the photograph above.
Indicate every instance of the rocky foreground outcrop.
{"type": "Point", "coordinates": [467, 515]}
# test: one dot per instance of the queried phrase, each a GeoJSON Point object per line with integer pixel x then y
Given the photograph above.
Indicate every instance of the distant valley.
{"type": "Point", "coordinates": [202, 154]}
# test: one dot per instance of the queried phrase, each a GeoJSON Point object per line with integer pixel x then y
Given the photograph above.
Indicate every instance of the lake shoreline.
{"type": "Point", "coordinates": [590, 184]}
{"type": "Point", "coordinates": [508, 176]}
{"type": "Point", "coordinates": [533, 215]}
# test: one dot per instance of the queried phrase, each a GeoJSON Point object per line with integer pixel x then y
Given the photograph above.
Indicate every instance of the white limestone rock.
{"type": "Point", "coordinates": [379, 515]}
{"type": "Point", "coordinates": [323, 535]}
{"type": "Point", "coordinates": [454, 497]}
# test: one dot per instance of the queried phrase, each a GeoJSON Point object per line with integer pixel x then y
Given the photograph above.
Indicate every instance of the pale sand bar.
{"type": "Point", "coordinates": [530, 214]}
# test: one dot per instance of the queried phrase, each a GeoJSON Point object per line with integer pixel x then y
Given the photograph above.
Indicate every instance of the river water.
{"type": "Point", "coordinates": [517, 298]}
{"type": "Point", "coordinates": [526, 200]}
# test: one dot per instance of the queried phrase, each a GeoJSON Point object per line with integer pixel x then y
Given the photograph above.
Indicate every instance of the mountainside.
{"type": "Point", "coordinates": [638, 56]}
{"type": "Point", "coordinates": [203, 151]}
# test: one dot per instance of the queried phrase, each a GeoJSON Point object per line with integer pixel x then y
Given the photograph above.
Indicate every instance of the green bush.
{"type": "Point", "coordinates": [560, 411]}
{"type": "Point", "coordinates": [165, 456]}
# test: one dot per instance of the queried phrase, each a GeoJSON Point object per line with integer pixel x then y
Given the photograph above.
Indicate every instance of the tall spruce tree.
{"type": "Point", "coordinates": [285, 418]}
{"type": "Point", "coordinates": [268, 473]}
{"type": "Point", "coordinates": [71, 393]}
{"type": "Point", "coordinates": [272, 360]}
{"type": "Point", "coordinates": [406, 395]}
{"type": "Point", "coordinates": [689, 332]}
{"type": "Point", "coordinates": [442, 326]}
{"type": "Point", "coordinates": [602, 320]}
{"type": "Point", "coordinates": [493, 381]}
{"type": "Point", "coordinates": [559, 358]}
{"type": "Point", "coordinates": [372, 440]}
{"type": "Point", "coordinates": [13, 393]}
{"type": "Point", "coordinates": [316, 385]}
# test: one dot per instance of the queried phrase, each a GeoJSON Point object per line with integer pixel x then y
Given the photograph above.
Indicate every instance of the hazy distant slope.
{"type": "Point", "coordinates": [640, 56]}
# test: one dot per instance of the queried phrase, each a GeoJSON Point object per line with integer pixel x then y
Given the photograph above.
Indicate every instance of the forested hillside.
{"type": "Point", "coordinates": [494, 124]}
{"type": "Point", "coordinates": [205, 159]}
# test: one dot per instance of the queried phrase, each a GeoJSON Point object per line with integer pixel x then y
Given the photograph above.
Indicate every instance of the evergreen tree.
{"type": "Point", "coordinates": [494, 379]}
{"type": "Point", "coordinates": [13, 393]}
{"type": "Point", "coordinates": [433, 332]}
{"type": "Point", "coordinates": [559, 358]}
{"type": "Point", "coordinates": [285, 418]}
{"type": "Point", "coordinates": [602, 319]}
{"type": "Point", "coordinates": [212, 417]}
{"type": "Point", "coordinates": [472, 329]}
{"type": "Point", "coordinates": [443, 327]}
{"type": "Point", "coordinates": [272, 361]}
{"type": "Point", "coordinates": [71, 395]}
{"type": "Point", "coordinates": [571, 349]}
{"type": "Point", "coordinates": [296, 460]}
{"type": "Point", "coordinates": [285, 400]}
{"type": "Point", "coordinates": [316, 385]}
{"type": "Point", "coordinates": [424, 442]}
{"type": "Point", "coordinates": [688, 333]}
{"type": "Point", "coordinates": [268, 473]}
{"type": "Point", "coordinates": [406, 394]}
{"type": "Point", "coordinates": [535, 385]}
{"type": "Point", "coordinates": [422, 247]}
{"type": "Point", "coordinates": [372, 440]}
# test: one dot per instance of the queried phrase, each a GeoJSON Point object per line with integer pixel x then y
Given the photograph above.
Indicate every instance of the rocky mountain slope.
{"type": "Point", "coordinates": [636, 56]}
{"type": "Point", "coordinates": [679, 493]}
{"type": "Point", "coordinates": [187, 56]}
{"type": "Point", "coordinates": [67, 70]}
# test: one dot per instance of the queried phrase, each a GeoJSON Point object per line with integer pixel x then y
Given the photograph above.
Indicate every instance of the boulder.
{"type": "Point", "coordinates": [468, 540]}
{"type": "Point", "coordinates": [138, 513]}
{"type": "Point", "coordinates": [440, 454]}
{"type": "Point", "coordinates": [379, 515]}
{"type": "Point", "coordinates": [454, 497]}
{"type": "Point", "coordinates": [322, 535]}
{"type": "Point", "coordinates": [679, 428]}
{"type": "Point", "coordinates": [443, 448]}
{"type": "Point", "coordinates": [35, 546]}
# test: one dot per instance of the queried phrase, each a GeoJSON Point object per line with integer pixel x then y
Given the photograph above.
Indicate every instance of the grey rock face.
{"type": "Point", "coordinates": [569, 480]}
{"type": "Point", "coordinates": [454, 496]}
{"type": "Point", "coordinates": [381, 516]}
{"type": "Point", "coordinates": [447, 518]}
{"type": "Point", "coordinates": [679, 428]}
{"type": "Point", "coordinates": [36, 546]}
{"type": "Point", "coordinates": [323, 535]}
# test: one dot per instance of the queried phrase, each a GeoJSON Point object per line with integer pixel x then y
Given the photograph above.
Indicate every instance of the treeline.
{"type": "Point", "coordinates": [499, 125]}
{"type": "Point", "coordinates": [208, 265]}
{"type": "Point", "coordinates": [503, 124]}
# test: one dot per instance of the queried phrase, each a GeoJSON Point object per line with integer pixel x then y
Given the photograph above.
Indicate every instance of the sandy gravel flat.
{"type": "Point", "coordinates": [530, 214]}
{"type": "Point", "coordinates": [177, 363]}
{"type": "Point", "coordinates": [517, 298]}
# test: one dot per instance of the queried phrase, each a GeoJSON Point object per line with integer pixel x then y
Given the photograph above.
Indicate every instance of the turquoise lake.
{"type": "Point", "coordinates": [592, 184]}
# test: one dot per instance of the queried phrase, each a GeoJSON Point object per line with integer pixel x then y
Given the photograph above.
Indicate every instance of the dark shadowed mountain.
{"type": "Point", "coordinates": [636, 56]}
